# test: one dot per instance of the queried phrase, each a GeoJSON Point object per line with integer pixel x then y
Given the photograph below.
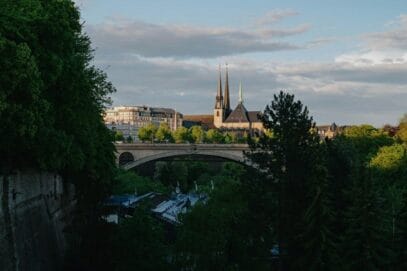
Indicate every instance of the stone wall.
{"type": "Point", "coordinates": [34, 209]}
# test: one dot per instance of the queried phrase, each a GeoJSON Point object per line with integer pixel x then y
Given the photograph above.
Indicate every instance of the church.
{"type": "Point", "coordinates": [237, 120]}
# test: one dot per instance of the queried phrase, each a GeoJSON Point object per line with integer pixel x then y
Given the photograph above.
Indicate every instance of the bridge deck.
{"type": "Point", "coordinates": [173, 146]}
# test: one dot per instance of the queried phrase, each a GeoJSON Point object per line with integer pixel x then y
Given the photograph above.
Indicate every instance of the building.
{"type": "Point", "coordinates": [129, 119]}
{"type": "Point", "coordinates": [166, 208]}
{"type": "Point", "coordinates": [329, 131]}
{"type": "Point", "coordinates": [238, 119]}
{"type": "Point", "coordinates": [205, 121]}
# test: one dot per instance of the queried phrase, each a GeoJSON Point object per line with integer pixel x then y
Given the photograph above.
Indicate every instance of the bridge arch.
{"type": "Point", "coordinates": [159, 156]}
{"type": "Point", "coordinates": [125, 158]}
{"type": "Point", "coordinates": [135, 154]}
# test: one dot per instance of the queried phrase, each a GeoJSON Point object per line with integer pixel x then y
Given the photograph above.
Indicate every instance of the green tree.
{"type": "Point", "coordinates": [52, 95]}
{"type": "Point", "coordinates": [367, 140]}
{"type": "Point", "coordinates": [364, 242]}
{"type": "Point", "coordinates": [163, 133]}
{"type": "Point", "coordinates": [140, 244]}
{"type": "Point", "coordinates": [128, 182]}
{"type": "Point", "coordinates": [118, 136]}
{"type": "Point", "coordinates": [230, 138]}
{"type": "Point", "coordinates": [402, 132]}
{"type": "Point", "coordinates": [182, 135]}
{"type": "Point", "coordinates": [218, 235]}
{"type": "Point", "coordinates": [163, 173]}
{"type": "Point", "coordinates": [389, 172]}
{"type": "Point", "coordinates": [147, 133]}
{"type": "Point", "coordinates": [197, 134]}
{"type": "Point", "coordinates": [51, 102]}
{"type": "Point", "coordinates": [180, 175]}
{"type": "Point", "coordinates": [214, 136]}
{"type": "Point", "coordinates": [294, 160]}
{"type": "Point", "coordinates": [232, 170]}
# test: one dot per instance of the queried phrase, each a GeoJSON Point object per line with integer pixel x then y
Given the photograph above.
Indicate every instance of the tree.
{"type": "Point", "coordinates": [118, 136]}
{"type": "Point", "coordinates": [367, 140]}
{"type": "Point", "coordinates": [402, 132]}
{"type": "Point", "coordinates": [364, 242]}
{"type": "Point", "coordinates": [51, 102]}
{"type": "Point", "coordinates": [295, 164]}
{"type": "Point", "coordinates": [147, 133]}
{"type": "Point", "coordinates": [233, 170]}
{"type": "Point", "coordinates": [180, 175]}
{"type": "Point", "coordinates": [140, 244]}
{"type": "Point", "coordinates": [128, 182]}
{"type": "Point", "coordinates": [389, 172]}
{"type": "Point", "coordinates": [214, 136]}
{"type": "Point", "coordinates": [218, 235]}
{"type": "Point", "coordinates": [182, 135]}
{"type": "Point", "coordinates": [163, 133]}
{"type": "Point", "coordinates": [230, 138]}
{"type": "Point", "coordinates": [163, 173]}
{"type": "Point", "coordinates": [197, 134]}
{"type": "Point", "coordinates": [51, 97]}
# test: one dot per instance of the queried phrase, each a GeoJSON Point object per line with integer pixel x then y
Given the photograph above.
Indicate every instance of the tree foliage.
{"type": "Point", "coordinates": [140, 244]}
{"type": "Point", "coordinates": [214, 136]}
{"type": "Point", "coordinates": [147, 133]}
{"type": "Point", "coordinates": [294, 160]}
{"type": "Point", "coordinates": [163, 133]}
{"type": "Point", "coordinates": [128, 182]}
{"type": "Point", "coordinates": [51, 97]}
{"type": "Point", "coordinates": [197, 134]}
{"type": "Point", "coordinates": [402, 132]}
{"type": "Point", "coordinates": [182, 135]}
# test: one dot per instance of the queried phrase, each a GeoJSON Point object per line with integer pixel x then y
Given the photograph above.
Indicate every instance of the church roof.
{"type": "Point", "coordinates": [253, 116]}
{"type": "Point", "coordinates": [206, 121]}
{"type": "Point", "coordinates": [238, 115]}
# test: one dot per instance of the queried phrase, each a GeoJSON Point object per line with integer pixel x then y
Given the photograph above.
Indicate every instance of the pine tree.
{"type": "Point", "coordinates": [294, 163]}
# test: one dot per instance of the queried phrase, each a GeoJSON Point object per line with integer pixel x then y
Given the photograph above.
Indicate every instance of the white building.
{"type": "Point", "coordinates": [129, 119]}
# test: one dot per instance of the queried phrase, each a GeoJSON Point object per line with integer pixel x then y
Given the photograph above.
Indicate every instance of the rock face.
{"type": "Point", "coordinates": [34, 210]}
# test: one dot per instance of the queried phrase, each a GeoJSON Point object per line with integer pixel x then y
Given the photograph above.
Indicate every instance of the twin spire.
{"type": "Point", "coordinates": [224, 103]}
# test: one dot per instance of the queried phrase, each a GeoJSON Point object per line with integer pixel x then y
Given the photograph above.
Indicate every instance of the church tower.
{"type": "Point", "coordinates": [227, 98]}
{"type": "Point", "coordinates": [219, 111]}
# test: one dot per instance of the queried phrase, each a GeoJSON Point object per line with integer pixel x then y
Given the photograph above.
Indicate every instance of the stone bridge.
{"type": "Point", "coordinates": [133, 155]}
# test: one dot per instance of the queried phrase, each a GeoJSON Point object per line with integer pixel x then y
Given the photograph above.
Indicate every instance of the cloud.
{"type": "Point", "coordinates": [157, 40]}
{"type": "Point", "coordinates": [275, 16]}
{"type": "Point", "coordinates": [390, 74]}
{"type": "Point", "coordinates": [394, 38]}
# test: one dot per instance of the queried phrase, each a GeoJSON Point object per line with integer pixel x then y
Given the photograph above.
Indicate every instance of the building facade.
{"type": "Point", "coordinates": [129, 119]}
{"type": "Point", "coordinates": [330, 131]}
{"type": "Point", "coordinates": [238, 119]}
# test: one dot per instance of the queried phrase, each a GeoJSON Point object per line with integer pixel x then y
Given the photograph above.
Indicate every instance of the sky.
{"type": "Point", "coordinates": [345, 60]}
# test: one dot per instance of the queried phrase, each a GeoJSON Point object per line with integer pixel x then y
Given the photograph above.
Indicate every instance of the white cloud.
{"type": "Point", "coordinates": [157, 40]}
{"type": "Point", "coordinates": [275, 16]}
{"type": "Point", "coordinates": [393, 39]}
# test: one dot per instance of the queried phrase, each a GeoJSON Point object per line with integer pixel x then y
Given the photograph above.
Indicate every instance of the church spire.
{"type": "Point", "coordinates": [227, 99]}
{"type": "Point", "coordinates": [219, 97]}
{"type": "Point", "coordinates": [240, 93]}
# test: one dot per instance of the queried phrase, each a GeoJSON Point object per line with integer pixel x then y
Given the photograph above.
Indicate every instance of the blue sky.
{"type": "Point", "coordinates": [346, 60]}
